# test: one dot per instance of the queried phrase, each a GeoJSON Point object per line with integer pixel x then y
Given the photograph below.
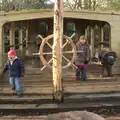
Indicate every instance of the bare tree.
{"type": "Point", "coordinates": [89, 4]}
{"type": "Point", "coordinates": [85, 4]}
{"type": "Point", "coordinates": [80, 4]}
{"type": "Point", "coordinates": [15, 5]}
{"type": "Point", "coordinates": [94, 4]}
{"type": "Point", "coordinates": [70, 4]}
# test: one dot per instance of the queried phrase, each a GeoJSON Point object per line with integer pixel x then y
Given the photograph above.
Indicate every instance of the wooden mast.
{"type": "Point", "coordinates": [57, 51]}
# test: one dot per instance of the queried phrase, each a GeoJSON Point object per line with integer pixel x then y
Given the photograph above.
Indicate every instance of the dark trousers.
{"type": "Point", "coordinates": [108, 69]}
{"type": "Point", "coordinates": [81, 71]}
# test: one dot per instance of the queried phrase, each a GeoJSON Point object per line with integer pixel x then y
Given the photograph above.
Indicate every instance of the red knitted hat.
{"type": "Point", "coordinates": [12, 53]}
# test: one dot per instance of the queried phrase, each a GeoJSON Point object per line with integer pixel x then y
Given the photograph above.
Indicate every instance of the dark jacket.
{"type": "Point", "coordinates": [14, 70]}
{"type": "Point", "coordinates": [107, 57]}
{"type": "Point", "coordinates": [83, 56]}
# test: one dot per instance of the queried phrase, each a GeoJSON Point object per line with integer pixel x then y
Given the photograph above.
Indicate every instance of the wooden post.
{"type": "Point", "coordinates": [86, 29]}
{"type": "Point", "coordinates": [92, 41]}
{"type": "Point", "coordinates": [27, 34]}
{"type": "Point", "coordinates": [20, 41]}
{"type": "Point", "coordinates": [1, 45]}
{"type": "Point", "coordinates": [57, 51]}
{"type": "Point", "coordinates": [102, 35]}
{"type": "Point", "coordinates": [12, 35]}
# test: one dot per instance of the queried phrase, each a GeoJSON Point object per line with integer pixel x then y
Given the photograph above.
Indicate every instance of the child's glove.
{"type": "Point", "coordinates": [22, 74]}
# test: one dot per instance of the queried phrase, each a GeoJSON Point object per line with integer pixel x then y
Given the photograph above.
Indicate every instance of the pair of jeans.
{"type": "Point", "coordinates": [15, 83]}
{"type": "Point", "coordinates": [83, 72]}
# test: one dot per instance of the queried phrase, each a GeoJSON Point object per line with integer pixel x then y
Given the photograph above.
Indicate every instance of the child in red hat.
{"type": "Point", "coordinates": [16, 70]}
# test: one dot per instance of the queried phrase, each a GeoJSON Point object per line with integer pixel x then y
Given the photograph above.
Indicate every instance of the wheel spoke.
{"type": "Point", "coordinates": [65, 44]}
{"type": "Point", "coordinates": [48, 45]}
{"type": "Point", "coordinates": [43, 68]}
{"type": "Point", "coordinates": [46, 65]}
{"type": "Point", "coordinates": [48, 53]}
{"type": "Point", "coordinates": [40, 36]}
{"type": "Point", "coordinates": [68, 61]}
{"type": "Point", "coordinates": [68, 52]}
{"type": "Point", "coordinates": [72, 35]}
{"type": "Point", "coordinates": [36, 54]}
{"type": "Point", "coordinates": [45, 42]}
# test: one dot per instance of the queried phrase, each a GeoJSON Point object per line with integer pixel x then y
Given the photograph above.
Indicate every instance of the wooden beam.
{"type": "Point", "coordinates": [102, 36]}
{"type": "Point", "coordinates": [57, 51]}
{"type": "Point", "coordinates": [1, 45]}
{"type": "Point", "coordinates": [21, 41]}
{"type": "Point", "coordinates": [92, 41]}
{"type": "Point", "coordinates": [27, 24]}
{"type": "Point", "coordinates": [12, 35]}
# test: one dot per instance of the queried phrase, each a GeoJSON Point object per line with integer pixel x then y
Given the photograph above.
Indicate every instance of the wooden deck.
{"type": "Point", "coordinates": [37, 82]}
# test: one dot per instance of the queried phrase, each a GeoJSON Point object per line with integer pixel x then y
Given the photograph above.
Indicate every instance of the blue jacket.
{"type": "Point", "coordinates": [16, 69]}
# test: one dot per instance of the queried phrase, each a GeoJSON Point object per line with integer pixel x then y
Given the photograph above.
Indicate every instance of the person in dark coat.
{"type": "Point", "coordinates": [15, 70]}
{"type": "Point", "coordinates": [107, 59]}
{"type": "Point", "coordinates": [82, 58]}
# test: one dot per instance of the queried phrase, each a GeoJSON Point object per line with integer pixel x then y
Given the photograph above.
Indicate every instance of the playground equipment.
{"type": "Point", "coordinates": [57, 51]}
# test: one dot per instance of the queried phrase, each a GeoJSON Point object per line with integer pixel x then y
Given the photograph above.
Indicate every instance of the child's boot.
{"type": "Point", "coordinates": [13, 88]}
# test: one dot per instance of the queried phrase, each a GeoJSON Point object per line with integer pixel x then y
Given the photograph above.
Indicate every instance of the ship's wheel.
{"type": "Point", "coordinates": [68, 51]}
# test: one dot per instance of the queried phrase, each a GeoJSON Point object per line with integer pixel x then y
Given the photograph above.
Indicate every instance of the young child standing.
{"type": "Point", "coordinates": [15, 70]}
{"type": "Point", "coordinates": [82, 59]}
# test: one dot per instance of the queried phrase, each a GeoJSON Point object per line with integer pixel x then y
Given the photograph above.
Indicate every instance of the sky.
{"type": "Point", "coordinates": [52, 0]}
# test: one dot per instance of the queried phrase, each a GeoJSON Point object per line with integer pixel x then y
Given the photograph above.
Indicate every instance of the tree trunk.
{"type": "Point", "coordinates": [94, 4]}
{"type": "Point", "coordinates": [85, 4]}
{"type": "Point", "coordinates": [79, 4]}
{"type": "Point", "coordinates": [57, 51]}
{"type": "Point", "coordinates": [90, 3]}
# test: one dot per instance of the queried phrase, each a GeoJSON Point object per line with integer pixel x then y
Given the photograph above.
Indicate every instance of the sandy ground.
{"type": "Point", "coordinates": [83, 115]}
{"type": "Point", "coordinates": [76, 115]}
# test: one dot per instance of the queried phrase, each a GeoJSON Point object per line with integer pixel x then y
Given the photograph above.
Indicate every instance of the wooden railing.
{"type": "Point", "coordinates": [18, 45]}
